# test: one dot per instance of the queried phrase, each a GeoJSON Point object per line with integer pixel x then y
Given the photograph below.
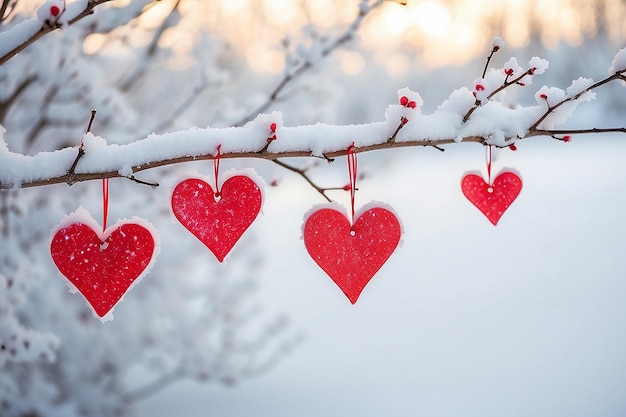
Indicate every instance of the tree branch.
{"type": "Point", "coordinates": [126, 155]}
{"type": "Point", "coordinates": [617, 76]}
{"type": "Point", "coordinates": [3, 9]}
{"type": "Point", "coordinates": [542, 132]}
{"type": "Point", "coordinates": [303, 174]}
{"type": "Point", "coordinates": [44, 30]}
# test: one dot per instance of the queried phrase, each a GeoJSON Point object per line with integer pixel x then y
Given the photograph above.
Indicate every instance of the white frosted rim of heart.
{"type": "Point", "coordinates": [81, 215]}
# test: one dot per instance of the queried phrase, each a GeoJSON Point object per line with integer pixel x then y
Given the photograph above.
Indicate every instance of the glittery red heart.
{"type": "Point", "coordinates": [218, 222]}
{"type": "Point", "coordinates": [351, 256]}
{"type": "Point", "coordinates": [102, 267]}
{"type": "Point", "coordinates": [492, 200]}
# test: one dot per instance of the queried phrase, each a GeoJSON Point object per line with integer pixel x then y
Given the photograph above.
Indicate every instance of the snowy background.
{"type": "Point", "coordinates": [464, 319]}
{"type": "Point", "coordinates": [521, 319]}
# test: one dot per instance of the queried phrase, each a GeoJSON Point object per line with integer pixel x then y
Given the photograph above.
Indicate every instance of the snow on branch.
{"type": "Point", "coordinates": [465, 116]}
{"type": "Point", "coordinates": [50, 16]}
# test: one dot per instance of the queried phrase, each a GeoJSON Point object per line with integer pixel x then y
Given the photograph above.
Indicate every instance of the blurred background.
{"type": "Point", "coordinates": [522, 319]}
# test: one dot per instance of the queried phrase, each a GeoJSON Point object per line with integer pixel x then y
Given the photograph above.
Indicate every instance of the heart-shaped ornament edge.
{"type": "Point", "coordinates": [81, 215]}
{"type": "Point", "coordinates": [357, 214]}
{"type": "Point", "coordinates": [478, 173]}
{"type": "Point", "coordinates": [233, 172]}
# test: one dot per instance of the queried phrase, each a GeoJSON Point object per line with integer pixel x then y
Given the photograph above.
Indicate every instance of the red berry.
{"type": "Point", "coordinates": [411, 104]}
{"type": "Point", "coordinates": [479, 87]}
{"type": "Point", "coordinates": [508, 71]}
{"type": "Point", "coordinates": [347, 187]}
{"type": "Point", "coordinates": [567, 138]}
{"type": "Point", "coordinates": [273, 127]}
{"type": "Point", "coordinates": [54, 11]}
{"type": "Point", "coordinates": [404, 100]}
{"type": "Point", "coordinates": [404, 120]}
{"type": "Point", "coordinates": [543, 96]}
{"type": "Point", "coordinates": [512, 147]}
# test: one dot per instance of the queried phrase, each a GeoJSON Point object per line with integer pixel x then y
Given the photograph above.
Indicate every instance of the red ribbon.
{"type": "Point", "coordinates": [105, 203]}
{"type": "Point", "coordinates": [352, 172]}
{"type": "Point", "coordinates": [488, 158]}
{"type": "Point", "coordinates": [216, 169]}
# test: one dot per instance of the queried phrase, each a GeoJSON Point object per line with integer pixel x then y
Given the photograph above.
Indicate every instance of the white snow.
{"type": "Point", "coordinates": [495, 121]}
{"type": "Point", "coordinates": [539, 64]}
{"type": "Point", "coordinates": [512, 68]}
{"type": "Point", "coordinates": [50, 12]}
{"type": "Point", "coordinates": [497, 42]}
{"type": "Point", "coordinates": [18, 34]}
{"type": "Point", "coordinates": [619, 62]}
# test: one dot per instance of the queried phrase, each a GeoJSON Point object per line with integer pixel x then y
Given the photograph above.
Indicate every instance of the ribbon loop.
{"type": "Point", "coordinates": [352, 172]}
{"type": "Point", "coordinates": [488, 160]}
{"type": "Point", "coordinates": [105, 203]}
{"type": "Point", "coordinates": [216, 169]}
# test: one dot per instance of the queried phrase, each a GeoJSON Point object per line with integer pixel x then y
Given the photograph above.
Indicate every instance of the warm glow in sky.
{"type": "Point", "coordinates": [440, 31]}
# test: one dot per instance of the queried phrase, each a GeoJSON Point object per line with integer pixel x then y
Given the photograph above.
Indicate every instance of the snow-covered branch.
{"type": "Point", "coordinates": [466, 116]}
{"type": "Point", "coordinates": [112, 161]}
{"type": "Point", "coordinates": [49, 18]}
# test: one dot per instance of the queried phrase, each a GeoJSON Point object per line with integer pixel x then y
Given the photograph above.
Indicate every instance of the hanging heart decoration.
{"type": "Point", "coordinates": [492, 200]}
{"type": "Point", "coordinates": [103, 266]}
{"type": "Point", "coordinates": [217, 219]}
{"type": "Point", "coordinates": [351, 256]}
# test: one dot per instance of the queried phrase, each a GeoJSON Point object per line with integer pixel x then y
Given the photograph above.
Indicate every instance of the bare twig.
{"type": "Point", "coordinates": [550, 109]}
{"type": "Point", "coordinates": [81, 151]}
{"type": "Point", "coordinates": [142, 182]}
{"type": "Point", "coordinates": [392, 138]}
{"type": "Point", "coordinates": [3, 9]}
{"type": "Point", "coordinates": [542, 132]}
{"type": "Point", "coordinates": [494, 49]}
{"type": "Point", "coordinates": [504, 85]}
{"type": "Point", "coordinates": [303, 174]}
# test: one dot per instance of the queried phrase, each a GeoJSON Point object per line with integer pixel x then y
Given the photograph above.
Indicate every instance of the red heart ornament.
{"type": "Point", "coordinates": [218, 222]}
{"type": "Point", "coordinates": [351, 256]}
{"type": "Point", "coordinates": [102, 266]}
{"type": "Point", "coordinates": [492, 200]}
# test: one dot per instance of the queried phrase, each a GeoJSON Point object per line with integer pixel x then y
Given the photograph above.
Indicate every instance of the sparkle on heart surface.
{"type": "Point", "coordinates": [103, 268]}
{"type": "Point", "coordinates": [351, 256]}
{"type": "Point", "coordinates": [218, 222]}
{"type": "Point", "coordinates": [492, 200]}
